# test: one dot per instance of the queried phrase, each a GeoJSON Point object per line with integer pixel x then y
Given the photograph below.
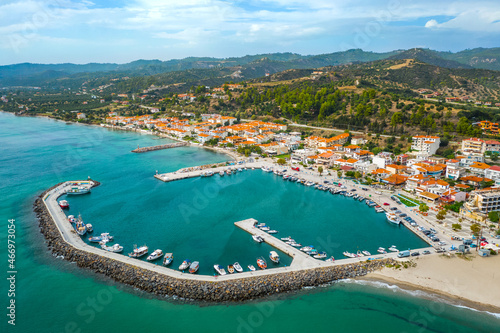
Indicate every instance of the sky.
{"type": "Point", "coordinates": [120, 31]}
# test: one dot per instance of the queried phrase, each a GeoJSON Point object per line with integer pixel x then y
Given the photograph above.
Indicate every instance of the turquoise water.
{"type": "Point", "coordinates": [53, 295]}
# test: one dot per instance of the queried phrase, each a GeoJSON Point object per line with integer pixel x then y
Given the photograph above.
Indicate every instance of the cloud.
{"type": "Point", "coordinates": [431, 24]}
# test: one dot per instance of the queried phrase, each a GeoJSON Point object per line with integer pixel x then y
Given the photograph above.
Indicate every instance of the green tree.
{"type": "Point", "coordinates": [423, 208]}
{"type": "Point", "coordinates": [339, 174]}
{"type": "Point", "coordinates": [281, 161]}
{"type": "Point", "coordinates": [493, 216]}
{"type": "Point", "coordinates": [441, 215]}
{"type": "Point", "coordinates": [476, 229]}
{"type": "Point", "coordinates": [320, 170]}
{"type": "Point", "coordinates": [456, 226]}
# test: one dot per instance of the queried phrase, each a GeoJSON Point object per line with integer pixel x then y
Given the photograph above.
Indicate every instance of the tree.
{"type": "Point", "coordinates": [476, 229]}
{"type": "Point", "coordinates": [423, 208]}
{"type": "Point", "coordinates": [456, 226]}
{"type": "Point", "coordinates": [441, 215]}
{"type": "Point", "coordinates": [493, 216]}
{"type": "Point", "coordinates": [281, 161]}
{"type": "Point", "coordinates": [339, 174]}
{"type": "Point", "coordinates": [320, 170]}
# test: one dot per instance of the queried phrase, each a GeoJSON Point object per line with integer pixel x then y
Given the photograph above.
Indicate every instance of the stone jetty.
{"type": "Point", "coordinates": [159, 147]}
{"type": "Point", "coordinates": [166, 282]}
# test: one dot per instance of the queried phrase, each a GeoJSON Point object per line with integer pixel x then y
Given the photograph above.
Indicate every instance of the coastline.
{"type": "Point", "coordinates": [463, 282]}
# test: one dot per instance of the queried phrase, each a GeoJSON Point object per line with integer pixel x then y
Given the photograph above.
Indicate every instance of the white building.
{"type": "Point", "coordinates": [382, 159]}
{"type": "Point", "coordinates": [493, 173]}
{"type": "Point", "coordinates": [427, 145]}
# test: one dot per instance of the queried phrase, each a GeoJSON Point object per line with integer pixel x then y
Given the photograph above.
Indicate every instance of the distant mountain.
{"type": "Point", "coordinates": [251, 66]}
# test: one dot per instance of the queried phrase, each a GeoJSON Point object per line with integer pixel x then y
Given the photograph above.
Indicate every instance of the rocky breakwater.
{"type": "Point", "coordinates": [212, 291]}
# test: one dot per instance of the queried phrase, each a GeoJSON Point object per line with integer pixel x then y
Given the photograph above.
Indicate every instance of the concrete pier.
{"type": "Point", "coordinates": [159, 147]}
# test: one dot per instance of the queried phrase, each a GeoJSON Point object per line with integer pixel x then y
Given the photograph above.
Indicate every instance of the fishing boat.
{"type": "Point", "coordinates": [230, 269]}
{"type": "Point", "coordinates": [331, 259]}
{"type": "Point", "coordinates": [89, 227]}
{"type": "Point", "coordinates": [257, 238]}
{"type": "Point", "coordinates": [237, 267]}
{"type": "Point", "coordinates": [393, 218]}
{"type": "Point", "coordinates": [379, 209]}
{"type": "Point", "coordinates": [381, 250]}
{"type": "Point", "coordinates": [220, 270]}
{"type": "Point", "coordinates": [221, 173]}
{"type": "Point", "coordinates": [272, 231]}
{"type": "Point", "coordinates": [193, 268]}
{"type": "Point", "coordinates": [251, 267]}
{"type": "Point", "coordinates": [274, 257]}
{"type": "Point", "coordinates": [167, 260]}
{"type": "Point", "coordinates": [349, 255]}
{"type": "Point", "coordinates": [307, 248]}
{"type": "Point", "coordinates": [116, 248]}
{"type": "Point", "coordinates": [228, 172]}
{"type": "Point", "coordinates": [185, 265]}
{"type": "Point", "coordinates": [80, 227]}
{"type": "Point", "coordinates": [393, 248]}
{"type": "Point", "coordinates": [312, 252]}
{"type": "Point", "coordinates": [71, 219]}
{"type": "Point", "coordinates": [366, 253]}
{"type": "Point", "coordinates": [157, 254]}
{"type": "Point", "coordinates": [359, 253]}
{"type": "Point", "coordinates": [261, 263]}
{"type": "Point", "coordinates": [76, 190]}
{"type": "Point", "coordinates": [320, 255]}
{"type": "Point", "coordinates": [64, 204]}
{"type": "Point", "coordinates": [106, 237]}
{"type": "Point", "coordinates": [138, 252]}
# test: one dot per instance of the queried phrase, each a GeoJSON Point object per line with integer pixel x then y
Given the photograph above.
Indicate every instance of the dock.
{"type": "Point", "coordinates": [199, 172]}
{"type": "Point", "coordinates": [300, 259]}
{"type": "Point", "coordinates": [159, 147]}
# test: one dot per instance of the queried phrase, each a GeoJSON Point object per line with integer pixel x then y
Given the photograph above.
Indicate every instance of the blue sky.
{"type": "Point", "coordinates": [119, 31]}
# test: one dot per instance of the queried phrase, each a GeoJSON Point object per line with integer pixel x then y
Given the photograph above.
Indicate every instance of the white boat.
{"type": "Point", "coordinates": [89, 227]}
{"type": "Point", "coordinates": [257, 238]}
{"type": "Point", "coordinates": [251, 267]}
{"type": "Point", "coordinates": [306, 248]}
{"type": "Point", "coordinates": [116, 248]}
{"type": "Point", "coordinates": [63, 204]}
{"type": "Point", "coordinates": [157, 254]}
{"type": "Point", "coordinates": [331, 259]}
{"type": "Point", "coordinates": [273, 255]}
{"type": "Point", "coordinates": [295, 244]}
{"type": "Point", "coordinates": [393, 218]}
{"type": "Point", "coordinates": [379, 209]}
{"type": "Point", "coordinates": [260, 225]}
{"type": "Point", "coordinates": [381, 250]}
{"type": "Point", "coordinates": [265, 228]}
{"type": "Point", "coordinates": [320, 255]}
{"type": "Point", "coordinates": [71, 218]}
{"type": "Point", "coordinates": [185, 265]}
{"type": "Point", "coordinates": [359, 254]}
{"type": "Point", "coordinates": [167, 260]}
{"type": "Point", "coordinates": [104, 237]}
{"type": "Point", "coordinates": [237, 267]}
{"type": "Point", "coordinates": [286, 239]}
{"type": "Point", "coordinates": [138, 252]}
{"type": "Point", "coordinates": [349, 255]}
{"type": "Point", "coordinates": [366, 253]}
{"type": "Point", "coordinates": [272, 231]}
{"type": "Point", "coordinates": [75, 190]}
{"type": "Point", "coordinates": [228, 172]}
{"type": "Point", "coordinates": [220, 270]}
{"type": "Point", "coordinates": [193, 268]}
{"type": "Point", "coordinates": [393, 249]}
{"type": "Point", "coordinates": [221, 173]}
{"type": "Point", "coordinates": [80, 227]}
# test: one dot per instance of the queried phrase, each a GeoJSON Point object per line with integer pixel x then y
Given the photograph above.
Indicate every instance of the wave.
{"type": "Point", "coordinates": [415, 293]}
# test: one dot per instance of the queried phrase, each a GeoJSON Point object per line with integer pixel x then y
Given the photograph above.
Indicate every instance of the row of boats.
{"type": "Point", "coordinates": [103, 239]}
{"type": "Point", "coordinates": [360, 253]}
{"type": "Point", "coordinates": [228, 171]}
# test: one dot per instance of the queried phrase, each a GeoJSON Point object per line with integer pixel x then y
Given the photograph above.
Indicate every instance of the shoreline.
{"type": "Point", "coordinates": [466, 282]}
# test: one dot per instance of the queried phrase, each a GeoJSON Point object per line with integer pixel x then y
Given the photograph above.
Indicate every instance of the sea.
{"type": "Point", "coordinates": [193, 219]}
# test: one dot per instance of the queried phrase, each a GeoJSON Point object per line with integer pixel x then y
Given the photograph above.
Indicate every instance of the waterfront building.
{"type": "Point", "coordinates": [81, 115]}
{"type": "Point", "coordinates": [480, 203]}
{"type": "Point", "coordinates": [413, 182]}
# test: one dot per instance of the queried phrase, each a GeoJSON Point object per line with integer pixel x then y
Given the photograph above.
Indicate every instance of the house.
{"type": "Point", "coordinates": [395, 169]}
{"type": "Point", "coordinates": [475, 181]}
{"type": "Point", "coordinates": [202, 137]}
{"type": "Point", "coordinates": [382, 159]}
{"type": "Point", "coordinates": [452, 169]}
{"type": "Point", "coordinates": [358, 140]}
{"type": "Point", "coordinates": [395, 179]}
{"type": "Point", "coordinates": [426, 145]}
{"type": "Point", "coordinates": [491, 146]}
{"type": "Point", "coordinates": [402, 159]}
{"type": "Point", "coordinates": [80, 116]}
{"type": "Point", "coordinates": [493, 172]}
{"type": "Point", "coordinates": [451, 195]}
{"type": "Point", "coordinates": [362, 155]}
{"type": "Point", "coordinates": [472, 145]}
{"type": "Point", "coordinates": [478, 168]}
{"type": "Point", "coordinates": [326, 158]}
{"type": "Point", "coordinates": [413, 182]}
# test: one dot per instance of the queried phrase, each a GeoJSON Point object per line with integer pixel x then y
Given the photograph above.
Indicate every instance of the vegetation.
{"type": "Point", "coordinates": [456, 226]}
{"type": "Point", "coordinates": [493, 216]}
{"type": "Point", "coordinates": [423, 208]}
{"type": "Point", "coordinates": [475, 229]}
{"type": "Point", "coordinates": [455, 207]}
{"type": "Point", "coordinates": [441, 215]}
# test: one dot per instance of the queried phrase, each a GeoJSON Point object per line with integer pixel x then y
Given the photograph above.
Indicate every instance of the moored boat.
{"type": "Point", "coordinates": [251, 267]}
{"type": "Point", "coordinates": [167, 260]}
{"type": "Point", "coordinates": [76, 190]}
{"type": "Point", "coordinates": [139, 252]}
{"type": "Point", "coordinates": [106, 237]}
{"type": "Point", "coordinates": [89, 227]}
{"type": "Point", "coordinates": [230, 269]}
{"type": "Point", "coordinates": [221, 173]}
{"type": "Point", "coordinates": [64, 204]}
{"type": "Point", "coordinates": [331, 259]}
{"type": "Point", "coordinates": [307, 248]}
{"type": "Point", "coordinates": [273, 255]}
{"type": "Point", "coordinates": [320, 255]}
{"type": "Point", "coordinates": [193, 268]}
{"type": "Point", "coordinates": [257, 238]}
{"type": "Point", "coordinates": [185, 265]}
{"type": "Point", "coordinates": [157, 254]}
{"type": "Point", "coordinates": [272, 231]}
{"type": "Point", "coordinates": [366, 253]}
{"type": "Point", "coordinates": [381, 250]}
{"type": "Point", "coordinates": [349, 255]}
{"type": "Point", "coordinates": [261, 263]}
{"type": "Point", "coordinates": [393, 218]}
{"type": "Point", "coordinates": [116, 248]}
{"type": "Point", "coordinates": [220, 270]}
{"type": "Point", "coordinates": [238, 267]}
{"type": "Point", "coordinates": [393, 248]}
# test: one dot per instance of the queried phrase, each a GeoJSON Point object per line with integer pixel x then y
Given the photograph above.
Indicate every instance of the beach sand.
{"type": "Point", "coordinates": [474, 281]}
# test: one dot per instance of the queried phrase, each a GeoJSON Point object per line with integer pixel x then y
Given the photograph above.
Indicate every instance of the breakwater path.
{"type": "Point", "coordinates": [64, 242]}
{"type": "Point", "coordinates": [159, 147]}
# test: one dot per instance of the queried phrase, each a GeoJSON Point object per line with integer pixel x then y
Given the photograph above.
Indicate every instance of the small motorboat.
{"type": "Point", "coordinates": [230, 269]}
{"type": "Point", "coordinates": [251, 267]}
{"type": "Point", "coordinates": [366, 253]}
{"type": "Point", "coordinates": [89, 227]}
{"type": "Point", "coordinates": [167, 260]}
{"type": "Point", "coordinates": [272, 232]}
{"type": "Point", "coordinates": [312, 252]}
{"type": "Point", "coordinates": [331, 259]}
{"type": "Point", "coordinates": [261, 263]}
{"type": "Point", "coordinates": [349, 255]}
{"type": "Point", "coordinates": [273, 255]}
{"type": "Point", "coordinates": [320, 255]}
{"type": "Point", "coordinates": [381, 250]}
{"type": "Point", "coordinates": [257, 238]}
{"type": "Point", "coordinates": [64, 204]}
{"type": "Point", "coordinates": [193, 268]}
{"type": "Point", "coordinates": [221, 173]}
{"type": "Point", "coordinates": [287, 239]}
{"type": "Point", "coordinates": [265, 228]}
{"type": "Point", "coordinates": [116, 248]}
{"type": "Point", "coordinates": [185, 265]}
{"type": "Point", "coordinates": [71, 219]}
{"type": "Point", "coordinates": [219, 269]}
{"type": "Point", "coordinates": [106, 237]}
{"type": "Point", "coordinates": [295, 244]}
{"type": "Point", "coordinates": [237, 267]}
{"type": "Point", "coordinates": [307, 248]}
{"type": "Point", "coordinates": [393, 248]}
{"type": "Point", "coordinates": [139, 252]}
{"type": "Point", "coordinates": [157, 254]}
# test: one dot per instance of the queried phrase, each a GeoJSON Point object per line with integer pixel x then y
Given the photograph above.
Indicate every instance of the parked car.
{"type": "Point", "coordinates": [426, 252]}
{"type": "Point", "coordinates": [433, 231]}
{"type": "Point", "coordinates": [415, 254]}
{"type": "Point", "coordinates": [393, 208]}
{"type": "Point", "coordinates": [435, 239]}
{"type": "Point", "coordinates": [403, 215]}
{"type": "Point", "coordinates": [442, 243]}
{"type": "Point", "coordinates": [426, 232]}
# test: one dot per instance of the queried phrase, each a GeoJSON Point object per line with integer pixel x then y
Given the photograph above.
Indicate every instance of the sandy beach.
{"type": "Point", "coordinates": [474, 280]}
